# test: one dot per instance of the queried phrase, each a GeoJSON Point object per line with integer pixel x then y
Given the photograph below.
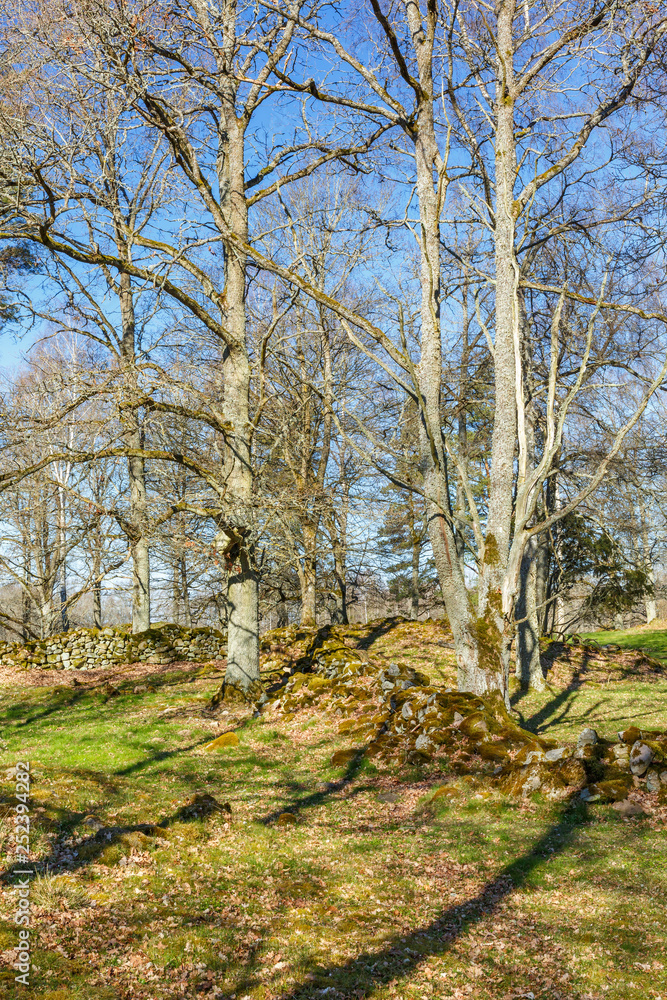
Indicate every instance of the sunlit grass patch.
{"type": "Point", "coordinates": [651, 641]}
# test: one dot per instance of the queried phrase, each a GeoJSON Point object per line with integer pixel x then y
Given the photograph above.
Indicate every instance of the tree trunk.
{"type": "Point", "coordinates": [97, 606]}
{"type": "Point", "coordinates": [336, 522]}
{"type": "Point", "coordinates": [414, 591]}
{"type": "Point", "coordinates": [242, 584]}
{"type": "Point", "coordinates": [528, 664]}
{"type": "Point", "coordinates": [496, 588]}
{"type": "Point", "coordinates": [62, 563]}
{"type": "Point", "coordinates": [309, 576]}
{"type": "Point", "coordinates": [185, 591]}
{"type": "Point", "coordinates": [283, 617]}
{"type": "Point", "coordinates": [26, 600]}
{"type": "Point", "coordinates": [649, 604]}
{"type": "Point", "coordinates": [136, 468]}
{"type": "Point", "coordinates": [473, 674]}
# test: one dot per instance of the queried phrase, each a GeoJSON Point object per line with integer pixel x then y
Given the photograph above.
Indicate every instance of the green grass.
{"type": "Point", "coordinates": [607, 708]}
{"type": "Point", "coordinates": [474, 896]}
{"type": "Point", "coordinates": [652, 642]}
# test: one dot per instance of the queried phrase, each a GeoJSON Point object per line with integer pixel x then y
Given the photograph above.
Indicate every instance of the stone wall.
{"type": "Point", "coordinates": [85, 648]}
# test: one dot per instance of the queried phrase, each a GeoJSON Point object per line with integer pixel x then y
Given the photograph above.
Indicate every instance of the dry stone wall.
{"type": "Point", "coordinates": [85, 648]}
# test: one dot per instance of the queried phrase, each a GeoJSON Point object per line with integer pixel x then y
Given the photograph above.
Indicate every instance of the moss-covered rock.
{"type": "Point", "coordinates": [222, 742]}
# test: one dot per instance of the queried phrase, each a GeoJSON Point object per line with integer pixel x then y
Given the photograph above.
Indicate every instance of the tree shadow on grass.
{"type": "Point", "coordinates": [321, 795]}
{"type": "Point", "coordinates": [383, 628]}
{"type": "Point", "coordinates": [561, 700]}
{"type": "Point", "coordinates": [21, 715]}
{"type": "Point", "coordinates": [404, 953]}
{"type": "Point", "coordinates": [90, 849]}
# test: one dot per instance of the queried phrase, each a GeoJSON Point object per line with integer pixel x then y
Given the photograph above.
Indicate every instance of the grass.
{"type": "Point", "coordinates": [366, 894]}
{"type": "Point", "coordinates": [651, 641]}
{"type": "Point", "coordinates": [604, 707]}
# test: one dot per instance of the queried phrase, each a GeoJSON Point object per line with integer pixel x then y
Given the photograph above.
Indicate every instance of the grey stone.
{"type": "Point", "coordinates": [641, 756]}
{"type": "Point", "coordinates": [587, 737]}
{"type": "Point", "coordinates": [423, 742]}
{"type": "Point", "coordinates": [652, 780]}
{"type": "Point", "coordinates": [555, 754]}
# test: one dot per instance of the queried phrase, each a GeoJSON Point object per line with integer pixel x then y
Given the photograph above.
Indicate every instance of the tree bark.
{"type": "Point", "coordinates": [309, 576]}
{"type": "Point", "coordinates": [97, 585]}
{"type": "Point", "coordinates": [283, 617]}
{"type": "Point", "coordinates": [136, 524]}
{"type": "Point", "coordinates": [185, 591]}
{"type": "Point", "coordinates": [26, 600]}
{"type": "Point", "coordinates": [336, 522]}
{"type": "Point", "coordinates": [242, 582]}
{"type": "Point", "coordinates": [649, 603]}
{"type": "Point", "coordinates": [528, 663]}
{"type": "Point", "coordinates": [414, 589]}
{"type": "Point", "coordinates": [473, 674]}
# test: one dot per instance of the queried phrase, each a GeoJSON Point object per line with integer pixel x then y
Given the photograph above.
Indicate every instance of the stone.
{"type": "Point", "coordinates": [388, 797]}
{"type": "Point", "coordinates": [474, 724]}
{"type": "Point", "coordinates": [343, 757]}
{"type": "Point", "coordinates": [222, 742]}
{"type": "Point", "coordinates": [557, 754]}
{"type": "Point", "coordinates": [286, 819]}
{"type": "Point", "coordinates": [627, 808]}
{"type": "Point", "coordinates": [587, 737]}
{"type": "Point", "coordinates": [444, 792]}
{"type": "Point", "coordinates": [652, 780]}
{"type": "Point", "coordinates": [423, 742]}
{"type": "Point", "coordinates": [203, 805]}
{"type": "Point", "coordinates": [494, 751]}
{"type": "Point", "coordinates": [530, 754]}
{"type": "Point", "coordinates": [663, 777]}
{"type": "Point", "coordinates": [641, 756]}
{"type": "Point", "coordinates": [613, 789]}
{"type": "Point", "coordinates": [630, 735]}
{"type": "Point", "coordinates": [94, 823]}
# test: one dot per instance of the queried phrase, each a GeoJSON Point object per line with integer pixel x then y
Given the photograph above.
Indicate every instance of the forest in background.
{"type": "Point", "coordinates": [334, 314]}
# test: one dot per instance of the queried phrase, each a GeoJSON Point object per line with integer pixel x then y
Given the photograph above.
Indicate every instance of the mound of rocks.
{"type": "Point", "coordinates": [396, 713]}
{"type": "Point", "coordinates": [85, 648]}
{"type": "Point", "coordinates": [636, 759]}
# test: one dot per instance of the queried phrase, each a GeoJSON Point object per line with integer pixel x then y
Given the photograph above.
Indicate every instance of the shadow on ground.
{"type": "Point", "coordinates": [401, 956]}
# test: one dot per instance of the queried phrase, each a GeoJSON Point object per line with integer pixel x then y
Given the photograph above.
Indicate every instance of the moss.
{"type": "Point", "coordinates": [221, 742]}
{"type": "Point", "coordinates": [491, 551]}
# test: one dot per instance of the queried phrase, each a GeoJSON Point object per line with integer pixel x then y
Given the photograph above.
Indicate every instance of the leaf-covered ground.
{"type": "Point", "coordinates": [372, 885]}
